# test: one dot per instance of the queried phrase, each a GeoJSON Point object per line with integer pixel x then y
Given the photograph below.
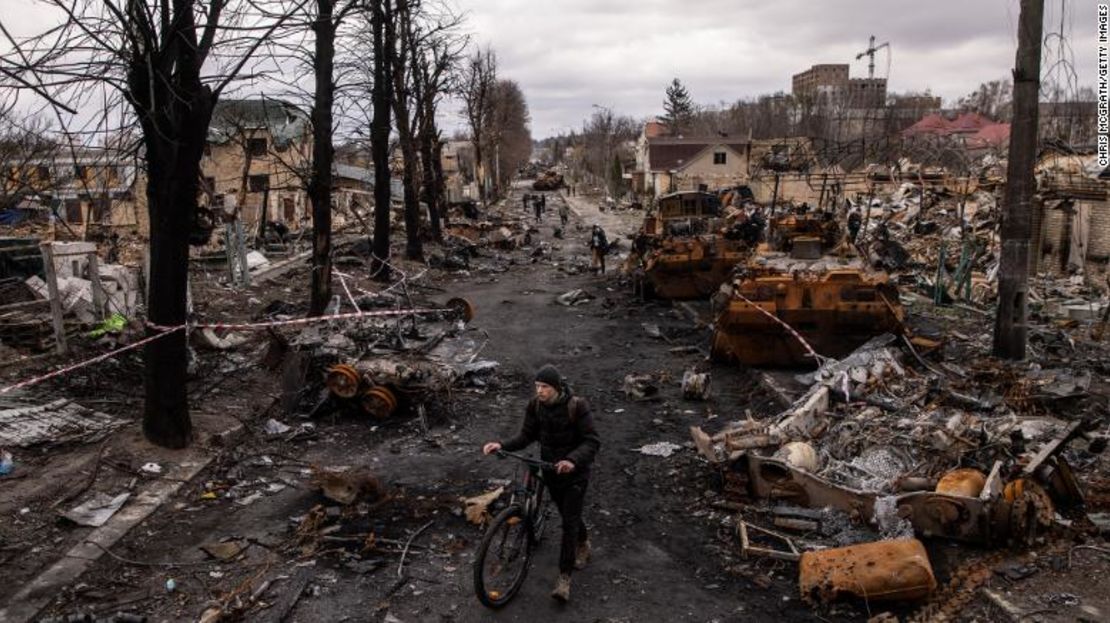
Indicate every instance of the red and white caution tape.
{"type": "Point", "coordinates": [164, 331]}
{"type": "Point", "coordinates": [304, 321]}
{"type": "Point", "coordinates": [789, 329]}
{"type": "Point", "coordinates": [77, 366]}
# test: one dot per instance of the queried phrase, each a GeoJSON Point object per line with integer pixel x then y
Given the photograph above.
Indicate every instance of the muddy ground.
{"type": "Point", "coordinates": [664, 546]}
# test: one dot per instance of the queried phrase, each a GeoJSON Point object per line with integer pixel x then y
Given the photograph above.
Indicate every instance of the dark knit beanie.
{"type": "Point", "coordinates": [550, 374]}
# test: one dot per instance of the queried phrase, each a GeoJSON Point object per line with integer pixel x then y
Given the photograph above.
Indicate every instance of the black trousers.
{"type": "Point", "coordinates": [569, 497]}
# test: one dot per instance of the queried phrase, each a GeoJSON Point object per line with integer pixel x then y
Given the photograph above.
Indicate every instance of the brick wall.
{"type": "Point", "coordinates": [1099, 246]}
{"type": "Point", "coordinates": [1055, 226]}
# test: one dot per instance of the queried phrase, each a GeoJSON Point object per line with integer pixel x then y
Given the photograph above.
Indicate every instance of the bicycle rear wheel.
{"type": "Point", "coordinates": [502, 558]}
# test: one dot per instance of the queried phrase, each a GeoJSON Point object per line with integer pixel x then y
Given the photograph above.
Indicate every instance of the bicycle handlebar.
{"type": "Point", "coordinates": [525, 459]}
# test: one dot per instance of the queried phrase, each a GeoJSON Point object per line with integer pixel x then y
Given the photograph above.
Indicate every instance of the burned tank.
{"type": "Point", "coordinates": [684, 250]}
{"type": "Point", "coordinates": [834, 304]}
{"type": "Point", "coordinates": [548, 180]}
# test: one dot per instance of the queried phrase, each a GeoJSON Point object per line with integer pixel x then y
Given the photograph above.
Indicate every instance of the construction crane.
{"type": "Point", "coordinates": [870, 52]}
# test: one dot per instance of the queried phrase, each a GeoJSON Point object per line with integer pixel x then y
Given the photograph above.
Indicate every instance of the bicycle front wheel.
{"type": "Point", "coordinates": [502, 558]}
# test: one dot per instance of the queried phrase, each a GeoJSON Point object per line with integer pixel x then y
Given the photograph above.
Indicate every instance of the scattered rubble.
{"type": "Point", "coordinates": [477, 507]}
{"type": "Point", "coordinates": [97, 510]}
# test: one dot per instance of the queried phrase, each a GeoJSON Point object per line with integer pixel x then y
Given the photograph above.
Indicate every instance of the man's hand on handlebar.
{"type": "Point", "coordinates": [564, 467]}
{"type": "Point", "coordinates": [491, 447]}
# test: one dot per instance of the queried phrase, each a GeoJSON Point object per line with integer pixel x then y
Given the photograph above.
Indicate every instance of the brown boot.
{"type": "Point", "coordinates": [582, 555]}
{"type": "Point", "coordinates": [562, 588]}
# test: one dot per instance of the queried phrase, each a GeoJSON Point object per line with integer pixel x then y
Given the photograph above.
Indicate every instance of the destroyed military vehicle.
{"type": "Point", "coordinates": [685, 250]}
{"type": "Point", "coordinates": [795, 290]}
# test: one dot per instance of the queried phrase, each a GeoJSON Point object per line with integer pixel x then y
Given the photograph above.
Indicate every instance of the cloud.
{"type": "Point", "coordinates": [570, 54]}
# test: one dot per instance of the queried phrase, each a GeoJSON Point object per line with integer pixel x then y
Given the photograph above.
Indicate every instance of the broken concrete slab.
{"type": "Point", "coordinates": [96, 511]}
{"type": "Point", "coordinates": [574, 297]}
{"type": "Point", "coordinates": [662, 449]}
{"type": "Point", "coordinates": [59, 421]}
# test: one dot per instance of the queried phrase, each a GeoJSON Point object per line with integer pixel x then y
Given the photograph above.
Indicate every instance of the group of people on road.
{"type": "Point", "coordinates": [538, 203]}
{"type": "Point", "coordinates": [599, 244]}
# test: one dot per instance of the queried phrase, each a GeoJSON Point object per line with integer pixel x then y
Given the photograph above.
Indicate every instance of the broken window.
{"type": "Point", "coordinates": [100, 210]}
{"type": "Point", "coordinates": [256, 147]}
{"type": "Point", "coordinates": [720, 157]}
{"type": "Point", "coordinates": [259, 183]}
{"type": "Point", "coordinates": [73, 211]}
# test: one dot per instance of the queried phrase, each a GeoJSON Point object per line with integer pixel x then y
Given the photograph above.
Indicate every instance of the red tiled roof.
{"type": "Point", "coordinates": [993, 135]}
{"type": "Point", "coordinates": [929, 124]}
{"type": "Point", "coordinates": [970, 122]}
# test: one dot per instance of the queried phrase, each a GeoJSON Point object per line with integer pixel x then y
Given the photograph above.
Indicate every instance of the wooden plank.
{"type": "Point", "coordinates": [55, 299]}
{"type": "Point", "coordinates": [98, 296]}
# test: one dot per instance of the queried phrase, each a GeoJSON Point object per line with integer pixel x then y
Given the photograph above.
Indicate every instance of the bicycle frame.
{"type": "Point", "coordinates": [531, 488]}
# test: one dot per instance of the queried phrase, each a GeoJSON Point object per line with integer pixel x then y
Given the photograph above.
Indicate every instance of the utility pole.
{"type": "Point", "coordinates": [1017, 217]}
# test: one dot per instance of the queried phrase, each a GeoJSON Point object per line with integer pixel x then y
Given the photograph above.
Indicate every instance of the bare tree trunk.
{"type": "Point", "coordinates": [481, 168]}
{"type": "Point", "coordinates": [174, 136]}
{"type": "Point", "coordinates": [320, 186]}
{"type": "Point", "coordinates": [379, 134]}
{"type": "Point", "coordinates": [428, 138]}
{"type": "Point", "coordinates": [414, 246]}
{"type": "Point", "coordinates": [440, 182]}
{"type": "Point", "coordinates": [1017, 220]}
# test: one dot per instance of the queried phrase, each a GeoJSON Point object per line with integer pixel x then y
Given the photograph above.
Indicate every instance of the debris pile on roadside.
{"type": "Point", "coordinates": [52, 292]}
{"type": "Point", "coordinates": [890, 443]}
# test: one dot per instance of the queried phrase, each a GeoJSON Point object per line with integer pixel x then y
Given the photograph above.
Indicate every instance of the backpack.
{"type": "Point", "coordinates": [574, 409]}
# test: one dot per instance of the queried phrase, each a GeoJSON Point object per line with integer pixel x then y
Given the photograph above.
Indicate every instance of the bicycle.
{"type": "Point", "coordinates": [506, 549]}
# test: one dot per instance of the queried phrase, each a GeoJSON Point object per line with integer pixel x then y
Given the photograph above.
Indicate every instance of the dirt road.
{"type": "Point", "coordinates": [662, 552]}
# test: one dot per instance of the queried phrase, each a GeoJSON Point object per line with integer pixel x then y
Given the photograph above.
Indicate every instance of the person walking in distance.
{"type": "Point", "coordinates": [855, 220]}
{"type": "Point", "coordinates": [599, 245]}
{"type": "Point", "coordinates": [564, 428]}
{"type": "Point", "coordinates": [564, 213]}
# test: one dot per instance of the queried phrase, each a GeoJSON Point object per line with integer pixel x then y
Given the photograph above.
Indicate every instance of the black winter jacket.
{"type": "Point", "coordinates": [561, 436]}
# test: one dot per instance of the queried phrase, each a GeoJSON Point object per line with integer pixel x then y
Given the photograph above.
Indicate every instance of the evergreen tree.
{"type": "Point", "coordinates": [678, 107]}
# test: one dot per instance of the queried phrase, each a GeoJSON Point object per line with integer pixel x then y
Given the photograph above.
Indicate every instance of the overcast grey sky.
{"type": "Point", "coordinates": [570, 54]}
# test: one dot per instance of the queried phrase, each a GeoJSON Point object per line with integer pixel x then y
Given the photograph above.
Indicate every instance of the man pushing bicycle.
{"type": "Point", "coordinates": [563, 426]}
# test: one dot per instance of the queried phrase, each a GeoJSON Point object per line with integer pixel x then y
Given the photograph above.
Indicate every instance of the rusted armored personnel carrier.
{"type": "Point", "coordinates": [835, 304]}
{"type": "Point", "coordinates": [548, 180]}
{"type": "Point", "coordinates": [682, 250]}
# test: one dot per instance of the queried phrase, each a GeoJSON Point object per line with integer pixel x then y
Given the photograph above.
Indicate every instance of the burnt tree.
{"type": "Point", "coordinates": [381, 96]}
{"type": "Point", "coordinates": [478, 80]}
{"type": "Point", "coordinates": [402, 115]}
{"type": "Point", "coordinates": [154, 53]}
{"type": "Point", "coordinates": [433, 57]}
